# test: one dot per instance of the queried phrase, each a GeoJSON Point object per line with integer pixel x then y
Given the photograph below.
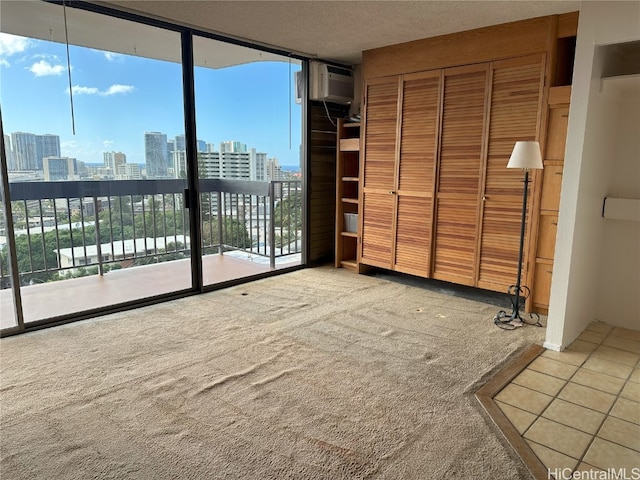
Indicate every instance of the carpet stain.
{"type": "Point", "coordinates": [344, 452]}
{"type": "Point", "coordinates": [426, 356]}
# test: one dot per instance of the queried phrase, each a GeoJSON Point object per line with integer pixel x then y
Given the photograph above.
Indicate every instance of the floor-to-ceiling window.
{"type": "Point", "coordinates": [249, 159]}
{"type": "Point", "coordinates": [99, 161]}
{"type": "Point", "coordinates": [9, 315]}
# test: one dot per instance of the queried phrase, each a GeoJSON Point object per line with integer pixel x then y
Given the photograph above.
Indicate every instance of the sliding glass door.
{"type": "Point", "coordinates": [249, 157]}
{"type": "Point", "coordinates": [93, 110]}
{"type": "Point", "coordinates": [103, 135]}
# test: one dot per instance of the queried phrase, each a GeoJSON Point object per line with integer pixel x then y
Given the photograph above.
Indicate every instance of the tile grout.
{"type": "Point", "coordinates": [605, 415]}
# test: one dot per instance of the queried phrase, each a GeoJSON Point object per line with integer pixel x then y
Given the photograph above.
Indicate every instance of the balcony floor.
{"type": "Point", "coordinates": [47, 300]}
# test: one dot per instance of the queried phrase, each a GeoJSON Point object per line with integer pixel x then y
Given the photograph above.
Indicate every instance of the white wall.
{"type": "Point", "coordinates": [618, 301]}
{"type": "Point", "coordinates": [591, 142]}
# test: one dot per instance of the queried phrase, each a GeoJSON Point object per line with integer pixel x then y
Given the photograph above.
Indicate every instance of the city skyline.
{"type": "Point", "coordinates": [165, 158]}
{"type": "Point", "coordinates": [117, 98]}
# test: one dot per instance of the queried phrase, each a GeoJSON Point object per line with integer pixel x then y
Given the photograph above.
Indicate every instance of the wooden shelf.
{"type": "Point", "coordinates": [353, 264]}
{"type": "Point", "coordinates": [350, 144]}
{"type": "Point", "coordinates": [347, 192]}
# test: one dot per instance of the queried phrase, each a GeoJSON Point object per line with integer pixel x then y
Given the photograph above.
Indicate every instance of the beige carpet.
{"type": "Point", "coordinates": [319, 374]}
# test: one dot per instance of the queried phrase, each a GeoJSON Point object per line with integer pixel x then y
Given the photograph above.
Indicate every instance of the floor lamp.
{"type": "Point", "coordinates": [526, 156]}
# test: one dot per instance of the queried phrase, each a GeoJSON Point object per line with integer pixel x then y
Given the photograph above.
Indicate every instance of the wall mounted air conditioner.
{"type": "Point", "coordinates": [330, 83]}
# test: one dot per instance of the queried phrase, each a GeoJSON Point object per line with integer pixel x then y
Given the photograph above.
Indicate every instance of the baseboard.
{"type": "Point", "coordinates": [552, 346]}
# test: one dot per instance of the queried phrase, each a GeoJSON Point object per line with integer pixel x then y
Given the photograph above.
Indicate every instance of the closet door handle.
{"type": "Point", "coordinates": [392, 192]}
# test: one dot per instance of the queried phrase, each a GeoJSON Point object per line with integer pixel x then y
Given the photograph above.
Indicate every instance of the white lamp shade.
{"type": "Point", "coordinates": [525, 155]}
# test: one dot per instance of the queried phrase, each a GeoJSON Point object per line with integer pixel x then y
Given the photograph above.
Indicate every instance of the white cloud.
{"type": "Point", "coordinates": [4, 63]}
{"type": "Point", "coordinates": [113, 57]}
{"type": "Point", "coordinates": [44, 68]}
{"type": "Point", "coordinates": [112, 90]}
{"type": "Point", "coordinates": [117, 88]}
{"type": "Point", "coordinates": [107, 143]}
{"type": "Point", "coordinates": [11, 44]}
{"type": "Point", "coordinates": [47, 56]}
{"type": "Point", "coordinates": [78, 90]}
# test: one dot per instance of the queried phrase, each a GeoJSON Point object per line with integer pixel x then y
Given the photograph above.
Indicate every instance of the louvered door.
{"type": "Point", "coordinates": [516, 97]}
{"type": "Point", "coordinates": [460, 171]}
{"type": "Point", "coordinates": [415, 172]}
{"type": "Point", "coordinates": [379, 172]}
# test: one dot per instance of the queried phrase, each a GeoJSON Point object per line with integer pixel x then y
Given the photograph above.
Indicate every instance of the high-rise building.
{"type": "Point", "coordinates": [233, 146]}
{"type": "Point", "coordinates": [113, 160]}
{"type": "Point", "coordinates": [171, 147]}
{"type": "Point", "coordinates": [47, 145]}
{"type": "Point", "coordinates": [155, 152]}
{"type": "Point", "coordinates": [244, 165]}
{"type": "Point", "coordinates": [9, 153]}
{"type": "Point", "coordinates": [59, 168]}
{"type": "Point", "coordinates": [237, 165]}
{"type": "Point", "coordinates": [258, 166]}
{"type": "Point", "coordinates": [209, 165]}
{"type": "Point", "coordinates": [274, 170]}
{"type": "Point", "coordinates": [201, 145]}
{"type": "Point", "coordinates": [24, 151]}
{"type": "Point", "coordinates": [180, 143]}
{"type": "Point", "coordinates": [179, 161]}
{"type": "Point", "coordinates": [128, 171]}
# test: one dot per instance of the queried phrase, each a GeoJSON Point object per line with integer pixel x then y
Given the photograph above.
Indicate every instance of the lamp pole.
{"type": "Point", "coordinates": [526, 155]}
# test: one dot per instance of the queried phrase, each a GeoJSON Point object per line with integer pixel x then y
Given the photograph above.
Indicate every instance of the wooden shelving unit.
{"type": "Point", "coordinates": [347, 191]}
{"type": "Point", "coordinates": [550, 196]}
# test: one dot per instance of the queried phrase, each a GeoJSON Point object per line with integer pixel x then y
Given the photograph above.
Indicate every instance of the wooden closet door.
{"type": "Point", "coordinates": [516, 100]}
{"type": "Point", "coordinates": [379, 171]}
{"type": "Point", "coordinates": [459, 173]}
{"type": "Point", "coordinates": [415, 172]}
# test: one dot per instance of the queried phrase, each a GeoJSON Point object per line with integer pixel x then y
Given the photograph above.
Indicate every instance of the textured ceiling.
{"type": "Point", "coordinates": [339, 30]}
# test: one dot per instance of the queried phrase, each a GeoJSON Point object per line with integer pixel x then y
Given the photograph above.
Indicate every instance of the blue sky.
{"type": "Point", "coordinates": [117, 98]}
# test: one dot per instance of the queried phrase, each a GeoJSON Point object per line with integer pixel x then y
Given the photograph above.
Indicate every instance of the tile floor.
{"type": "Point", "coordinates": [580, 409]}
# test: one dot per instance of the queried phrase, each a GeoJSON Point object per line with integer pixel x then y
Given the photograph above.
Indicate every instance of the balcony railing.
{"type": "Point", "coordinates": [75, 228]}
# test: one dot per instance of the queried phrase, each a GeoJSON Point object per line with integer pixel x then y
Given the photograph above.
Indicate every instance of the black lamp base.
{"type": "Point", "coordinates": [518, 295]}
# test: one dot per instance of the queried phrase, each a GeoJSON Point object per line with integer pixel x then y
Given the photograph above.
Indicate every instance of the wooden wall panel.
{"type": "Point", "coordinates": [413, 235]}
{"type": "Point", "coordinates": [456, 234]}
{"type": "Point", "coordinates": [381, 111]}
{"type": "Point", "coordinates": [462, 133]}
{"type": "Point", "coordinates": [500, 242]}
{"type": "Point", "coordinates": [378, 172]}
{"type": "Point", "coordinates": [416, 171]}
{"type": "Point", "coordinates": [515, 109]}
{"type": "Point", "coordinates": [322, 184]}
{"type": "Point", "coordinates": [487, 44]}
{"type": "Point", "coordinates": [547, 236]}
{"type": "Point", "coordinates": [377, 229]}
{"type": "Point", "coordinates": [420, 111]}
{"type": "Point", "coordinates": [556, 138]}
{"type": "Point", "coordinates": [460, 169]}
{"type": "Point", "coordinates": [516, 101]}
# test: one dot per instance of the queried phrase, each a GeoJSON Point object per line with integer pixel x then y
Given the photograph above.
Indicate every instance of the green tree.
{"type": "Point", "coordinates": [288, 212]}
{"type": "Point", "coordinates": [288, 220]}
{"type": "Point", "coordinates": [234, 235]}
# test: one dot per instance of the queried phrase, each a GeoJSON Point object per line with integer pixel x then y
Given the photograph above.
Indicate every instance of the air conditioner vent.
{"type": "Point", "coordinates": [330, 83]}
